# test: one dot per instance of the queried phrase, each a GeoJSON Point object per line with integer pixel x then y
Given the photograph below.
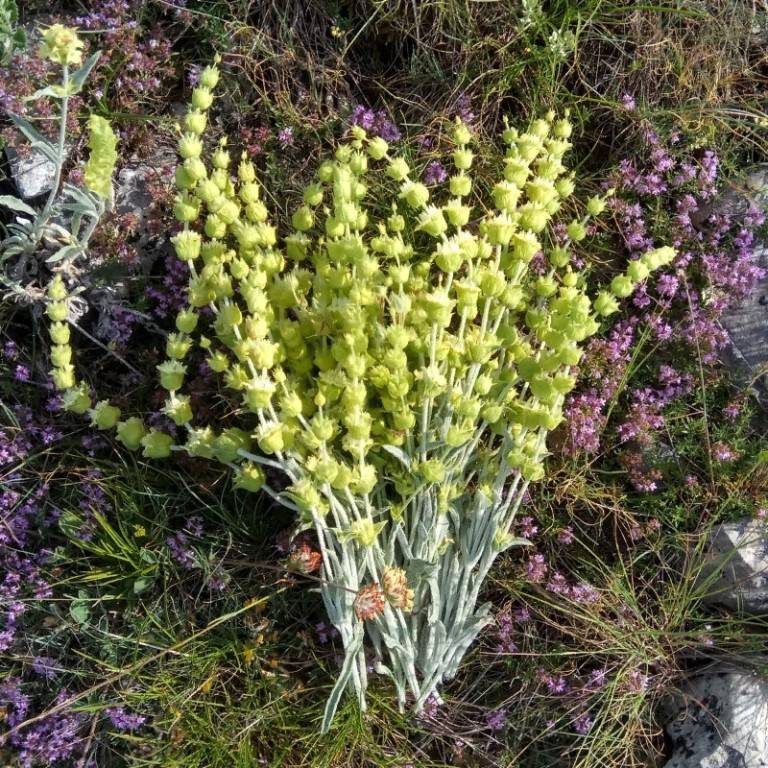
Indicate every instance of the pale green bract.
{"type": "Point", "coordinates": [396, 376]}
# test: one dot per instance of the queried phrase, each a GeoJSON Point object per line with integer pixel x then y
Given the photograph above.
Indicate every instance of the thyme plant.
{"type": "Point", "coordinates": [395, 378]}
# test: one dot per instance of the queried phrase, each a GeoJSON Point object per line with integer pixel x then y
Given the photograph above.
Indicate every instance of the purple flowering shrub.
{"type": "Point", "coordinates": [87, 556]}
{"type": "Point", "coordinates": [601, 616]}
{"type": "Point", "coordinates": [673, 321]}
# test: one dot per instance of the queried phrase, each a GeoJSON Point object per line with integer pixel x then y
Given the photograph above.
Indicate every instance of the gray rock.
{"type": "Point", "coordinates": [33, 173]}
{"type": "Point", "coordinates": [747, 326]}
{"type": "Point", "coordinates": [721, 722]}
{"type": "Point", "coordinates": [751, 188]}
{"type": "Point", "coordinates": [735, 569]}
{"type": "Point", "coordinates": [747, 323]}
{"type": "Point", "coordinates": [132, 194]}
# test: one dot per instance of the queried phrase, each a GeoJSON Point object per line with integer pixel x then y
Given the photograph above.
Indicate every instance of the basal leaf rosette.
{"type": "Point", "coordinates": [396, 376]}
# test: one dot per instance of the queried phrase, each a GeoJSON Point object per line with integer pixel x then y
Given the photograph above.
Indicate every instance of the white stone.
{"type": "Point", "coordinates": [33, 174]}
{"type": "Point", "coordinates": [723, 723]}
{"type": "Point", "coordinates": [735, 569]}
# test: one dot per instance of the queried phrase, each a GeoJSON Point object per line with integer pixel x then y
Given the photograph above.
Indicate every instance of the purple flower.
{"type": "Point", "coordinates": [505, 631]}
{"type": "Point", "coordinates": [496, 720]}
{"type": "Point", "coordinates": [10, 349]}
{"type": "Point", "coordinates": [325, 633]}
{"type": "Point", "coordinates": [124, 721]}
{"type": "Point", "coordinates": [363, 117]}
{"type": "Point", "coordinates": [376, 123]}
{"type": "Point", "coordinates": [707, 175]}
{"type": "Point", "coordinates": [55, 738]}
{"type": "Point", "coordinates": [668, 285]}
{"type": "Point", "coordinates": [429, 710]}
{"type": "Point", "coordinates": [218, 581]}
{"type": "Point", "coordinates": [118, 325]}
{"type": "Point", "coordinates": [556, 685]}
{"type": "Point", "coordinates": [596, 679]}
{"type": "Point", "coordinates": [180, 546]}
{"type": "Point", "coordinates": [583, 724]}
{"type": "Point", "coordinates": [637, 681]}
{"type": "Point", "coordinates": [435, 173]}
{"type": "Point", "coordinates": [528, 527]}
{"type": "Point", "coordinates": [558, 584]}
{"type": "Point", "coordinates": [21, 373]}
{"type": "Point", "coordinates": [53, 404]}
{"type": "Point", "coordinates": [536, 569]}
{"type": "Point", "coordinates": [584, 593]}
{"type": "Point", "coordinates": [522, 615]}
{"type": "Point", "coordinates": [171, 296]}
{"type": "Point", "coordinates": [721, 451]}
{"type": "Point", "coordinates": [44, 666]}
{"type": "Point", "coordinates": [181, 552]}
{"type": "Point", "coordinates": [463, 108]}
{"type": "Point", "coordinates": [628, 102]}
{"type": "Point", "coordinates": [193, 75]}
{"type": "Point", "coordinates": [285, 137]}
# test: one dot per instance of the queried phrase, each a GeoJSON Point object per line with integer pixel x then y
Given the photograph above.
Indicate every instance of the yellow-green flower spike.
{"type": "Point", "coordinates": [62, 45]}
{"type": "Point", "coordinates": [100, 167]}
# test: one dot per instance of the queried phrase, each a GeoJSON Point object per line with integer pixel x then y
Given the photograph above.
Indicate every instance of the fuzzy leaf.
{"type": "Point", "coordinates": [416, 570]}
{"type": "Point", "coordinates": [142, 584]}
{"type": "Point", "coordinates": [81, 195]}
{"type": "Point", "coordinates": [9, 201]}
{"type": "Point", "coordinates": [47, 150]}
{"type": "Point", "coordinates": [53, 91]}
{"type": "Point", "coordinates": [67, 252]}
{"type": "Point", "coordinates": [29, 130]}
{"type": "Point", "coordinates": [81, 208]}
{"type": "Point", "coordinates": [78, 78]}
{"type": "Point", "coordinates": [344, 677]}
{"type": "Point", "coordinates": [517, 541]}
{"type": "Point", "coordinates": [148, 556]}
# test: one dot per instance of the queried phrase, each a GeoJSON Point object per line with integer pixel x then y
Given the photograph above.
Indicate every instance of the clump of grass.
{"type": "Point", "coordinates": [595, 640]}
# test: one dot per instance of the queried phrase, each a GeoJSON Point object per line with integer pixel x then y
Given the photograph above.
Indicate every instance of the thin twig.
{"type": "Point", "coordinates": [105, 348]}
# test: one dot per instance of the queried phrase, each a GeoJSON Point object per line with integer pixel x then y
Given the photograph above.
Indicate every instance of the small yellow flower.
{"type": "Point", "coordinates": [248, 655]}
{"type": "Point", "coordinates": [139, 531]}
